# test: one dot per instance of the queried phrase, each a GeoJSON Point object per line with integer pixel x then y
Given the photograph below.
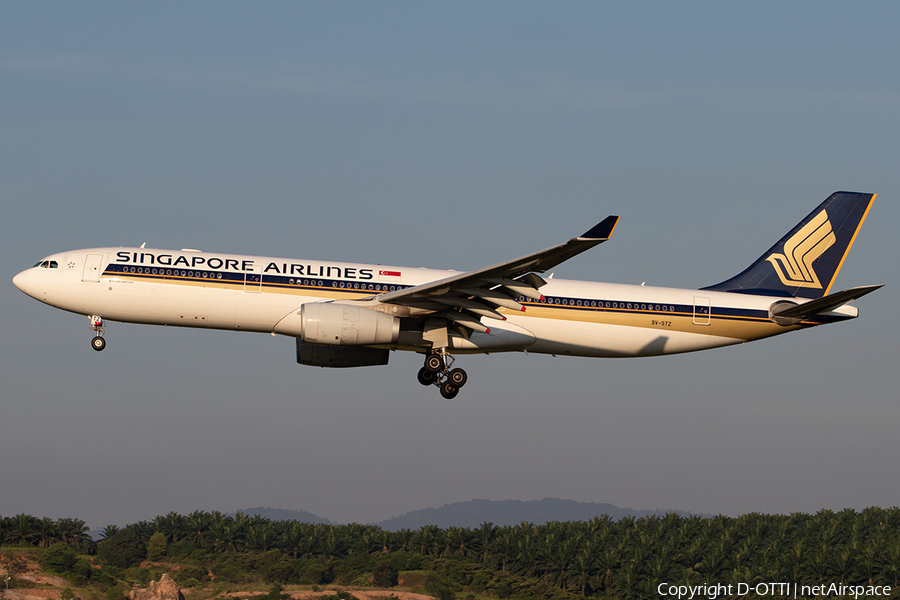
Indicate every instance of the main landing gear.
{"type": "Point", "coordinates": [97, 325]}
{"type": "Point", "coordinates": [437, 372]}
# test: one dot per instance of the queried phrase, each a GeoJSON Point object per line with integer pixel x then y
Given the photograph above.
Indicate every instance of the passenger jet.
{"type": "Point", "coordinates": [353, 315]}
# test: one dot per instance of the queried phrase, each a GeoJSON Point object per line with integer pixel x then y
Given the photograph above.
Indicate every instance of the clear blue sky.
{"type": "Point", "coordinates": [450, 135]}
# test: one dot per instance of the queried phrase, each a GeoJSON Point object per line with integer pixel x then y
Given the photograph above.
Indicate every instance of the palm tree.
{"type": "Point", "coordinates": [196, 526]}
{"type": "Point", "coordinates": [333, 543]}
{"type": "Point", "coordinates": [260, 536]}
{"type": "Point", "coordinates": [459, 541]}
{"type": "Point", "coordinates": [233, 537]}
{"type": "Point", "coordinates": [892, 562]}
{"type": "Point", "coordinates": [583, 570]}
{"type": "Point", "coordinates": [503, 550]}
{"type": "Point", "coordinates": [556, 561]}
{"type": "Point", "coordinates": [426, 539]}
{"type": "Point", "coordinates": [297, 539]}
{"type": "Point", "coordinates": [404, 538]}
{"type": "Point", "coordinates": [608, 562]}
{"type": "Point", "coordinates": [21, 529]}
{"type": "Point", "coordinates": [385, 540]}
{"type": "Point", "coordinates": [868, 561]}
{"type": "Point", "coordinates": [109, 531]}
{"type": "Point", "coordinates": [172, 526]}
{"type": "Point", "coordinates": [46, 532]}
{"type": "Point", "coordinates": [483, 537]}
{"type": "Point", "coordinates": [74, 532]}
{"type": "Point", "coordinates": [819, 566]}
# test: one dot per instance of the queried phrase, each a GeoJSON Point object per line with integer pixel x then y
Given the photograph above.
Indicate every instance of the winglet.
{"type": "Point", "coordinates": [602, 230]}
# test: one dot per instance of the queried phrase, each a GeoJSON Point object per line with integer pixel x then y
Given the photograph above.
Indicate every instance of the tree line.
{"type": "Point", "coordinates": [624, 559]}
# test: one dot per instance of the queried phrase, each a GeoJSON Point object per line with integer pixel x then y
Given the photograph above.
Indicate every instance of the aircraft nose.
{"type": "Point", "coordinates": [21, 281]}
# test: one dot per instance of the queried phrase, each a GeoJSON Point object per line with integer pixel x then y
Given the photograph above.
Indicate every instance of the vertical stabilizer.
{"type": "Point", "coordinates": [805, 262]}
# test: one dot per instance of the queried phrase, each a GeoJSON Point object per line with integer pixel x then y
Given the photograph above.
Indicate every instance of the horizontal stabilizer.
{"type": "Point", "coordinates": [824, 304]}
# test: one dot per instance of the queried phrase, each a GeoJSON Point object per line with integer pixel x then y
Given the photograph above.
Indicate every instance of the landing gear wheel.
{"type": "Point", "coordinates": [458, 378]}
{"type": "Point", "coordinates": [98, 343]}
{"type": "Point", "coordinates": [434, 363]}
{"type": "Point", "coordinates": [448, 390]}
{"type": "Point", "coordinates": [426, 377]}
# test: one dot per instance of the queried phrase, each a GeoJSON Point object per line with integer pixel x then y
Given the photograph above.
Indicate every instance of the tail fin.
{"type": "Point", "coordinates": [805, 262]}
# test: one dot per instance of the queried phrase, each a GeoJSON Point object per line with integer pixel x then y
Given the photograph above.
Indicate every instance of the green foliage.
{"type": "Point", "coordinates": [59, 558]}
{"type": "Point", "coordinates": [383, 573]}
{"type": "Point", "coordinates": [102, 577]}
{"type": "Point", "coordinates": [319, 571]}
{"type": "Point", "coordinates": [139, 575]}
{"type": "Point", "coordinates": [156, 547]}
{"type": "Point", "coordinates": [437, 586]}
{"type": "Point", "coordinates": [600, 558]}
{"type": "Point", "coordinates": [83, 570]}
{"type": "Point", "coordinates": [124, 549]}
{"type": "Point", "coordinates": [274, 594]}
{"type": "Point", "coordinates": [229, 571]}
{"type": "Point", "coordinates": [67, 594]}
{"type": "Point", "coordinates": [279, 572]}
{"type": "Point", "coordinates": [24, 531]}
{"type": "Point", "coordinates": [117, 592]}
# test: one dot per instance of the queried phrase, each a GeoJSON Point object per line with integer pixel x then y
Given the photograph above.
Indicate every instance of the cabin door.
{"type": "Point", "coordinates": [253, 280]}
{"type": "Point", "coordinates": [701, 310]}
{"type": "Point", "coordinates": [92, 264]}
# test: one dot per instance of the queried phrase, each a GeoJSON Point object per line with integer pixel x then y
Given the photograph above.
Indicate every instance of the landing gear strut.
{"type": "Point", "coordinates": [437, 372]}
{"type": "Point", "coordinates": [97, 325]}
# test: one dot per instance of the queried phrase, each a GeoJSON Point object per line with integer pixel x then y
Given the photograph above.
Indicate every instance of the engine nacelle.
{"type": "Point", "coordinates": [317, 355]}
{"type": "Point", "coordinates": [346, 325]}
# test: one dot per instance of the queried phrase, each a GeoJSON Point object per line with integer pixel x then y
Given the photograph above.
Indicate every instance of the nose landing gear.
{"type": "Point", "coordinates": [437, 372]}
{"type": "Point", "coordinates": [97, 325]}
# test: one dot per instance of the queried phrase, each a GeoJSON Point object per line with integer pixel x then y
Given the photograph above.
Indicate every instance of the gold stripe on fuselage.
{"type": "Point", "coordinates": [735, 327]}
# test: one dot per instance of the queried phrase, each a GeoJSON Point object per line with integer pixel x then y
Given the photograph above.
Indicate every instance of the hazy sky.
{"type": "Point", "coordinates": [450, 135]}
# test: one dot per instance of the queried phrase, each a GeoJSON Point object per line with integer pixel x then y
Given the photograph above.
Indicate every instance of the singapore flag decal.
{"type": "Point", "coordinates": [389, 276]}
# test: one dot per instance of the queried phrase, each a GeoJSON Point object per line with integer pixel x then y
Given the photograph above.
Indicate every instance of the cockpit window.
{"type": "Point", "coordinates": [48, 264]}
{"type": "Point", "coordinates": [54, 264]}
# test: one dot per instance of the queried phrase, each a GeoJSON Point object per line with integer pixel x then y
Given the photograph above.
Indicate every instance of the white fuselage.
{"type": "Point", "coordinates": [262, 294]}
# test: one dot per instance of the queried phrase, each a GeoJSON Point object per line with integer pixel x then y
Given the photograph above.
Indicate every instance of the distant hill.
{"type": "Point", "coordinates": [473, 513]}
{"type": "Point", "coordinates": [282, 514]}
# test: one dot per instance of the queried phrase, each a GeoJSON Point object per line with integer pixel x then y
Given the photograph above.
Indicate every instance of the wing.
{"type": "Point", "coordinates": [465, 298]}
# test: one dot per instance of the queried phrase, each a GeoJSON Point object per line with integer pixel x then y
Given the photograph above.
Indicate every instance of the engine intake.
{"type": "Point", "coordinates": [346, 325]}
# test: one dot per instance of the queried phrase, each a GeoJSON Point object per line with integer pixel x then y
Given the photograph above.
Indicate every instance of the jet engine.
{"type": "Point", "coordinates": [346, 325]}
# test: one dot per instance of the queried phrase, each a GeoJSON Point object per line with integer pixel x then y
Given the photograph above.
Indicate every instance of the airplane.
{"type": "Point", "coordinates": [354, 315]}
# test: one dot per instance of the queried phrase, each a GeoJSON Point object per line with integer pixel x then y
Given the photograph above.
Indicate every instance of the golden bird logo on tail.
{"type": "Point", "coordinates": [801, 250]}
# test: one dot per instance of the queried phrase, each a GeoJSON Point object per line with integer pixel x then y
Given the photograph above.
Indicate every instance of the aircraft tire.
{"type": "Point", "coordinates": [98, 343]}
{"type": "Point", "coordinates": [449, 391]}
{"type": "Point", "coordinates": [425, 376]}
{"type": "Point", "coordinates": [434, 363]}
{"type": "Point", "coordinates": [458, 378]}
